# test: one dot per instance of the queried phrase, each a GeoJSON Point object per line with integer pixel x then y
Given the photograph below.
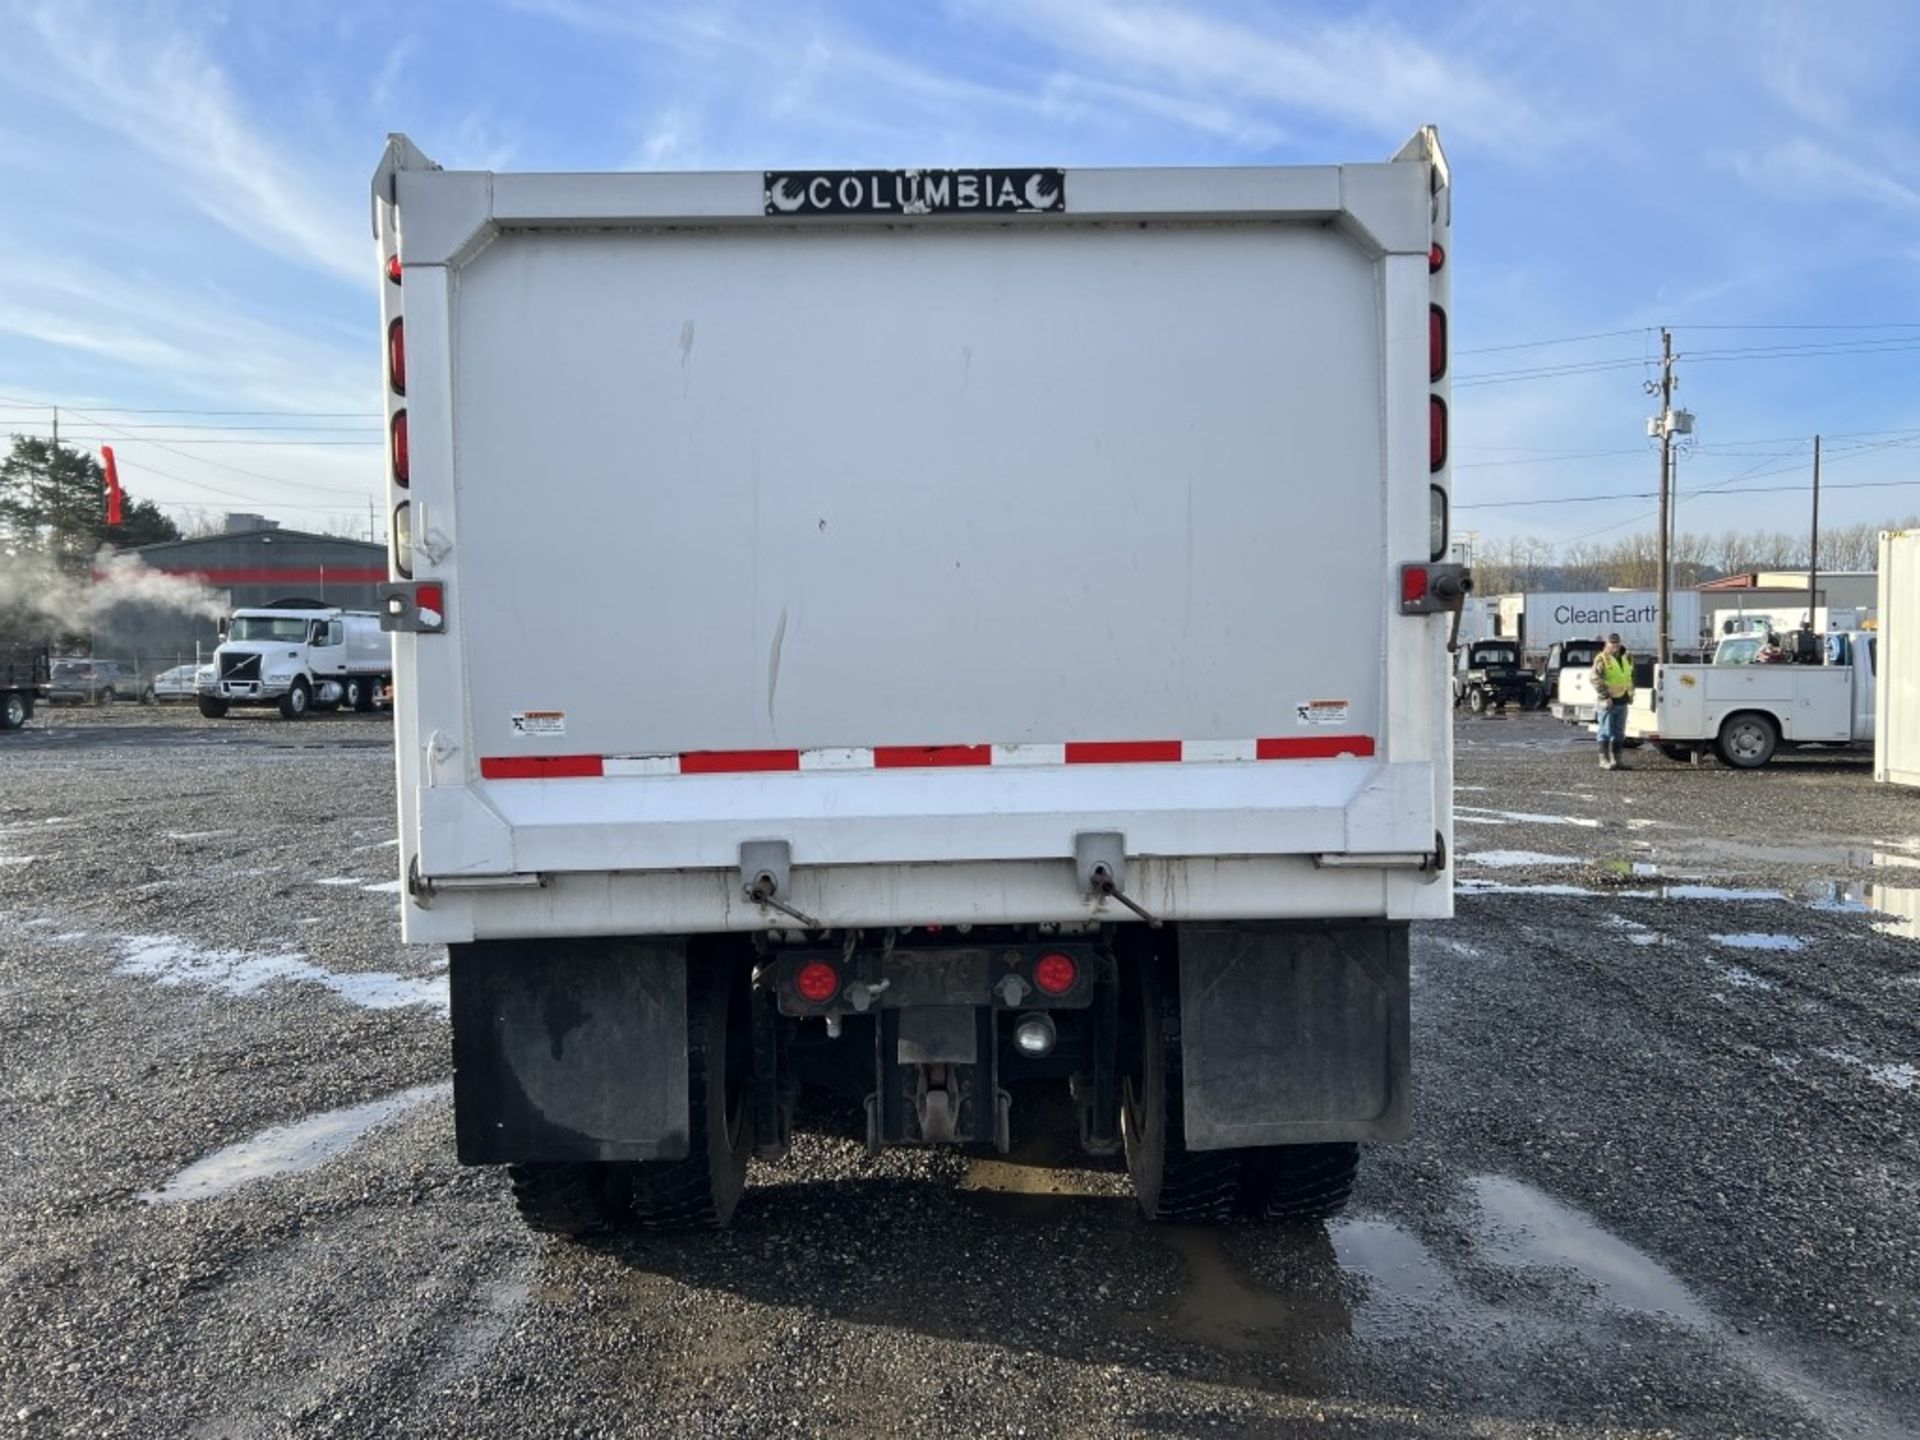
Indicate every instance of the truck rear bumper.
{"type": "Point", "coordinates": [242, 692]}
{"type": "Point", "coordinates": [662, 856]}
{"type": "Point", "coordinates": [1221, 887]}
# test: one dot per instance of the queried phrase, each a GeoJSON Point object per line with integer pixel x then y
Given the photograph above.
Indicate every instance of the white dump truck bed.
{"type": "Point", "coordinates": [920, 544]}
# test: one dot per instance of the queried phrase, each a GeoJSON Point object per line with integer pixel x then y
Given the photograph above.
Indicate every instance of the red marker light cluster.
{"type": "Point", "coordinates": [397, 355]}
{"type": "Point", "coordinates": [1055, 974]}
{"type": "Point", "coordinates": [817, 982]}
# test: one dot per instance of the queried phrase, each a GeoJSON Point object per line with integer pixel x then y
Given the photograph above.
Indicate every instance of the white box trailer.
{"type": "Point", "coordinates": [1547, 618]}
{"type": "Point", "coordinates": [850, 635]}
{"type": "Point", "coordinates": [1896, 749]}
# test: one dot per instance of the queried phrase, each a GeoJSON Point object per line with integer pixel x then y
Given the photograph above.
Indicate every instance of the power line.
{"type": "Point", "coordinates": [220, 464]}
{"type": "Point", "coordinates": [123, 438]}
{"type": "Point", "coordinates": [14, 402]}
{"type": "Point", "coordinates": [1890, 345]}
{"type": "Point", "coordinates": [1652, 329]}
{"type": "Point", "coordinates": [142, 467]}
{"type": "Point", "coordinates": [218, 429]}
{"type": "Point", "coordinates": [1562, 340]}
{"type": "Point", "coordinates": [1719, 487]}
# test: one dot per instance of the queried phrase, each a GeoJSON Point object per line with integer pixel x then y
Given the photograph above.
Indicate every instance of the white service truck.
{"type": "Point", "coordinates": [298, 655]}
{"type": "Point", "coordinates": [848, 639]}
{"type": "Point", "coordinates": [1896, 749]}
{"type": "Point", "coordinates": [1818, 690]}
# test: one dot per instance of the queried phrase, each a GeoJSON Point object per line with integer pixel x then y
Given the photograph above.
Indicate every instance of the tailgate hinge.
{"type": "Point", "coordinates": [766, 872]}
{"type": "Point", "coordinates": [1100, 860]}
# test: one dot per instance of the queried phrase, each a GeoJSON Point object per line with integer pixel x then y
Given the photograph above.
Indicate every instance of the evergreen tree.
{"type": "Point", "coordinates": [53, 500]}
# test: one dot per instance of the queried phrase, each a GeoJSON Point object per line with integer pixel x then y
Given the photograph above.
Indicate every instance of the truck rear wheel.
{"type": "Point", "coordinates": [1297, 1184]}
{"type": "Point", "coordinates": [572, 1200]}
{"type": "Point", "coordinates": [1293, 1184]}
{"type": "Point", "coordinates": [1747, 740]}
{"type": "Point", "coordinates": [1169, 1181]}
{"type": "Point", "coordinates": [697, 1193]}
{"type": "Point", "coordinates": [213, 709]}
{"type": "Point", "coordinates": [701, 1191]}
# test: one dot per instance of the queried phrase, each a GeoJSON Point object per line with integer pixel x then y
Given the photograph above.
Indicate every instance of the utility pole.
{"type": "Point", "coordinates": [1666, 496]}
{"type": "Point", "coordinates": [1813, 555]}
{"type": "Point", "coordinates": [1667, 424]}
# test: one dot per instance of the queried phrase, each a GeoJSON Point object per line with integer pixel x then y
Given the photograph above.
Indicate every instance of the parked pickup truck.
{"type": "Point", "coordinates": [1743, 710]}
{"type": "Point", "coordinates": [1490, 675]}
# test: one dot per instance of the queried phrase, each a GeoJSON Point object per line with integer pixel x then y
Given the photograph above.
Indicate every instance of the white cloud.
{"type": "Point", "coordinates": [1806, 171]}
{"type": "Point", "coordinates": [1361, 70]}
{"type": "Point", "coordinates": [162, 94]}
{"type": "Point", "coordinates": [813, 76]}
{"type": "Point", "coordinates": [386, 83]}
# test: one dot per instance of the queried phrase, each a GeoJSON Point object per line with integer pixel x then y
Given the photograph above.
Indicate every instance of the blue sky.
{"type": "Point", "coordinates": [184, 226]}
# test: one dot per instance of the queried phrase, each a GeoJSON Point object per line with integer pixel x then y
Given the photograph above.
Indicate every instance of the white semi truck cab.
{"type": "Point", "coordinates": [299, 656]}
{"type": "Point", "coordinates": [847, 627]}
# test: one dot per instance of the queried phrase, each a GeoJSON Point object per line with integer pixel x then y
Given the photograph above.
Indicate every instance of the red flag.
{"type": "Point", "coordinates": [113, 485]}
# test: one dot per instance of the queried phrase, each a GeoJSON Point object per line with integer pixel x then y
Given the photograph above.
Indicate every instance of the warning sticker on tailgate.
{"type": "Point", "coordinates": [539, 722]}
{"type": "Point", "coordinates": [1322, 712]}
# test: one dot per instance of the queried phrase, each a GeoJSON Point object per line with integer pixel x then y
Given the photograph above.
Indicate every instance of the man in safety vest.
{"type": "Point", "coordinates": [1613, 686]}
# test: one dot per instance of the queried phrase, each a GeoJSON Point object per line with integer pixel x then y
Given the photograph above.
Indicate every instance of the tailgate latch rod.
{"type": "Point", "coordinates": [1100, 857]}
{"type": "Point", "coordinates": [765, 868]}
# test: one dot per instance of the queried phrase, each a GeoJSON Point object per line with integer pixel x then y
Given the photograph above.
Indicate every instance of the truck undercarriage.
{"type": "Point", "coordinates": [935, 1034]}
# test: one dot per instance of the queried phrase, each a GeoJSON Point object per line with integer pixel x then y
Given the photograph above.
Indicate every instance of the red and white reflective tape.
{"type": "Point", "coordinates": [927, 757]}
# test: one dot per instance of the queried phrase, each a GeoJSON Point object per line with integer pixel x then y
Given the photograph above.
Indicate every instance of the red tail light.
{"type": "Point", "coordinates": [401, 473]}
{"type": "Point", "coordinates": [393, 267]}
{"type": "Point", "coordinates": [1436, 433]}
{"type": "Point", "coordinates": [397, 355]}
{"type": "Point", "coordinates": [1436, 342]}
{"type": "Point", "coordinates": [1055, 973]}
{"type": "Point", "coordinates": [1413, 584]}
{"type": "Point", "coordinates": [1436, 257]}
{"type": "Point", "coordinates": [430, 597]}
{"type": "Point", "coordinates": [817, 982]}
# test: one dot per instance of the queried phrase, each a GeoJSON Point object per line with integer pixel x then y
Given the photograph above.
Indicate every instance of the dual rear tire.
{"type": "Point", "coordinates": [1292, 1184]}
{"type": "Point", "coordinates": [1296, 1184]}
{"type": "Point", "coordinates": [697, 1193]}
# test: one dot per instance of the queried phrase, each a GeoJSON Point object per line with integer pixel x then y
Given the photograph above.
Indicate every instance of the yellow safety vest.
{"type": "Point", "coordinates": [1616, 674]}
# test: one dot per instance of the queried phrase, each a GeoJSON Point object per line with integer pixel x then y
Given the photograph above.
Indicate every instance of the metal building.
{"type": "Point", "coordinates": [254, 561]}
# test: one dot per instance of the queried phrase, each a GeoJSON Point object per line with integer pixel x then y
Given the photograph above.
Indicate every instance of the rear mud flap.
{"type": "Point", "coordinates": [569, 1050]}
{"type": "Point", "coordinates": [1294, 1034]}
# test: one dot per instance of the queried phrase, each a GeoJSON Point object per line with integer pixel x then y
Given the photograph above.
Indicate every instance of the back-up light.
{"type": "Point", "coordinates": [403, 540]}
{"type": "Point", "coordinates": [401, 469]}
{"type": "Point", "coordinates": [397, 355]}
{"type": "Point", "coordinates": [1436, 343]}
{"type": "Point", "coordinates": [1436, 433]}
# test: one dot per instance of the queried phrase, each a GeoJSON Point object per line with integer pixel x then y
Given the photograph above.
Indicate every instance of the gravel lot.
{"type": "Point", "coordinates": [1664, 1182]}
